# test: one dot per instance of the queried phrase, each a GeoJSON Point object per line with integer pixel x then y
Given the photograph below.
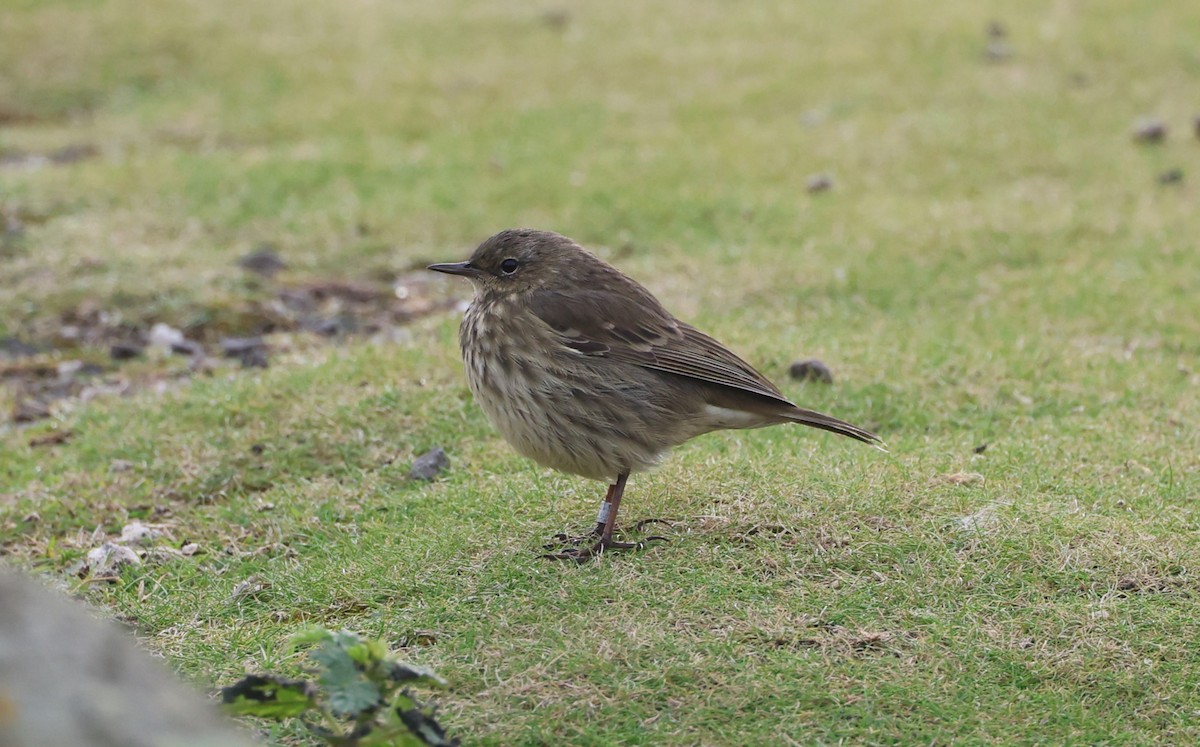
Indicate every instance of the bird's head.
{"type": "Point", "coordinates": [523, 260]}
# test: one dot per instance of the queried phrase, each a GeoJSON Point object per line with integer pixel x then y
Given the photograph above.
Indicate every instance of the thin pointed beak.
{"type": "Point", "coordinates": [457, 268]}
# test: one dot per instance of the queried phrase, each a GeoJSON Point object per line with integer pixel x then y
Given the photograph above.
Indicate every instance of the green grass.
{"type": "Point", "coordinates": [995, 264]}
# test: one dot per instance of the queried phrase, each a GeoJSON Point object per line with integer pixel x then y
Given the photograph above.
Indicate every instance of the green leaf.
{"type": "Point", "coordinates": [329, 655]}
{"type": "Point", "coordinates": [348, 690]}
{"type": "Point", "coordinates": [352, 698]}
{"type": "Point", "coordinates": [364, 653]}
{"type": "Point", "coordinates": [268, 697]}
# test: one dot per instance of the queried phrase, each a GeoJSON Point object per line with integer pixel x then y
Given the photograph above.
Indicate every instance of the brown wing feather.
{"type": "Point", "coordinates": [636, 329]}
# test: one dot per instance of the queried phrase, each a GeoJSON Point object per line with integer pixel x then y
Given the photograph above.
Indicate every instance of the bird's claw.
{"type": "Point", "coordinates": [562, 539]}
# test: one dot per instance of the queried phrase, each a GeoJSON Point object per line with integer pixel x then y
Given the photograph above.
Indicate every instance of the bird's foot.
{"type": "Point", "coordinates": [581, 549]}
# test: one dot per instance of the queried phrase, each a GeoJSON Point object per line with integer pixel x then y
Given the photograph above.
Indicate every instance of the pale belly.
{"type": "Point", "coordinates": [565, 415]}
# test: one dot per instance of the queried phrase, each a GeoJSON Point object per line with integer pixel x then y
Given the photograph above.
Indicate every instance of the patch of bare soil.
{"type": "Point", "coordinates": [88, 350]}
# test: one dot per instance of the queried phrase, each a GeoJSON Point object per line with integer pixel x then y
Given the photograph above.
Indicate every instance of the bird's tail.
{"type": "Point", "coordinates": [815, 419]}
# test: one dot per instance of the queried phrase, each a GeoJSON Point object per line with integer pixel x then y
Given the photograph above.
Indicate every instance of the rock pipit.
{"type": "Point", "coordinates": [583, 370]}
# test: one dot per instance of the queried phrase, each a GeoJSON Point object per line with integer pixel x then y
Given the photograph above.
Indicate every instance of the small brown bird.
{"type": "Point", "coordinates": [583, 370]}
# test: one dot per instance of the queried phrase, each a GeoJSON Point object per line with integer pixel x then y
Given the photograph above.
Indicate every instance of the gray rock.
{"type": "Point", "coordinates": [429, 465]}
{"type": "Point", "coordinates": [1171, 176]}
{"type": "Point", "coordinates": [264, 260]}
{"type": "Point", "coordinates": [819, 183]}
{"type": "Point", "coordinates": [107, 559]}
{"type": "Point", "coordinates": [68, 678]}
{"type": "Point", "coordinates": [250, 351]}
{"type": "Point", "coordinates": [1149, 130]}
{"type": "Point", "coordinates": [123, 351]}
{"type": "Point", "coordinates": [811, 370]}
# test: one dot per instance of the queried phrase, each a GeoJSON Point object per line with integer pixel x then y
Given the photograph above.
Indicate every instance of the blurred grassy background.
{"type": "Point", "coordinates": [997, 263]}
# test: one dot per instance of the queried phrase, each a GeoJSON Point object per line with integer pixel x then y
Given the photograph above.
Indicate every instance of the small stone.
{"type": "Point", "coordinates": [188, 348]}
{"type": "Point", "coordinates": [819, 183]}
{"type": "Point", "coordinates": [1171, 176]}
{"type": "Point", "coordinates": [998, 49]}
{"type": "Point", "coordinates": [124, 351]}
{"type": "Point", "coordinates": [165, 336]}
{"type": "Point", "coordinates": [556, 18]}
{"type": "Point", "coordinates": [250, 351]}
{"type": "Point", "coordinates": [429, 465]}
{"type": "Point", "coordinates": [811, 370]}
{"type": "Point", "coordinates": [137, 533]}
{"type": "Point", "coordinates": [106, 559]}
{"type": "Point", "coordinates": [264, 260]}
{"type": "Point", "coordinates": [1148, 130]}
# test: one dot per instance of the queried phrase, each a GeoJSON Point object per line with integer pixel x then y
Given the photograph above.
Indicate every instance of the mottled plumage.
{"type": "Point", "coordinates": [582, 369]}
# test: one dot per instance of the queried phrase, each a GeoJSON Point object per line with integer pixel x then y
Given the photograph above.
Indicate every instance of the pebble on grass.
{"type": "Point", "coordinates": [1171, 176]}
{"type": "Point", "coordinates": [819, 183]}
{"type": "Point", "coordinates": [264, 260]}
{"type": "Point", "coordinates": [998, 49]}
{"type": "Point", "coordinates": [105, 560]}
{"type": "Point", "coordinates": [251, 352]}
{"type": "Point", "coordinates": [166, 337]}
{"type": "Point", "coordinates": [811, 370]}
{"type": "Point", "coordinates": [1149, 130]}
{"type": "Point", "coordinates": [124, 351]}
{"type": "Point", "coordinates": [429, 465]}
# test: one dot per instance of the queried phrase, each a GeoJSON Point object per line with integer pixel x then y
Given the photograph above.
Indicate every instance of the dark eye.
{"type": "Point", "coordinates": [509, 266]}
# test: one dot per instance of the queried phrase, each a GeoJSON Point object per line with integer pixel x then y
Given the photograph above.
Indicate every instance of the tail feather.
{"type": "Point", "coordinates": [815, 419]}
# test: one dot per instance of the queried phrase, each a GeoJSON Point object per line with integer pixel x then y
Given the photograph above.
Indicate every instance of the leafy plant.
{"type": "Point", "coordinates": [359, 697]}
